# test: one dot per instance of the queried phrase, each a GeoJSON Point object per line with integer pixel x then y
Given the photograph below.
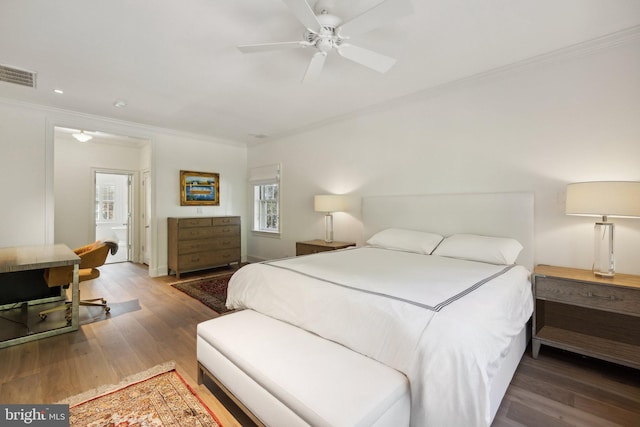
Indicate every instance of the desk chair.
{"type": "Point", "coordinates": [91, 256]}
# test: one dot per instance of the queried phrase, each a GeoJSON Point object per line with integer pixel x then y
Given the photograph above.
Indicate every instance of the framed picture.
{"type": "Point", "coordinates": [199, 188]}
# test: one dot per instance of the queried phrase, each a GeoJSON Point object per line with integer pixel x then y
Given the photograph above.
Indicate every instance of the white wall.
{"type": "Point", "coordinates": [531, 128]}
{"type": "Point", "coordinates": [534, 128]}
{"type": "Point", "coordinates": [74, 164]}
{"type": "Point", "coordinates": [172, 154]}
{"type": "Point", "coordinates": [27, 173]}
{"type": "Point", "coordinates": [22, 177]}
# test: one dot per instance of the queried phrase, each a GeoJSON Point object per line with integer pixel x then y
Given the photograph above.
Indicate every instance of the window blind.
{"type": "Point", "coordinates": [267, 173]}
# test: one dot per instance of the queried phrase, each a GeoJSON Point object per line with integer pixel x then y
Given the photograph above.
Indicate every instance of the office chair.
{"type": "Point", "coordinates": [91, 256]}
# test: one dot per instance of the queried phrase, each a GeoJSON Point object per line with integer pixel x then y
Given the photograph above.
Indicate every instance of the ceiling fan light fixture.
{"type": "Point", "coordinates": [324, 32]}
{"type": "Point", "coordinates": [82, 137]}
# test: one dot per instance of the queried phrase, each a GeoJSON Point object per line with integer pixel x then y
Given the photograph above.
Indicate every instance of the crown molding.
{"type": "Point", "coordinates": [69, 118]}
{"type": "Point", "coordinates": [582, 49]}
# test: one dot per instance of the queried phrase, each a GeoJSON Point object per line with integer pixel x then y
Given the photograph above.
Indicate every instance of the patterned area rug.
{"type": "Point", "coordinates": [162, 399]}
{"type": "Point", "coordinates": [210, 290]}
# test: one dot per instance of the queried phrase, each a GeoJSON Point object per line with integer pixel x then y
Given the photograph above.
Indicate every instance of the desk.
{"type": "Point", "coordinates": [28, 258]}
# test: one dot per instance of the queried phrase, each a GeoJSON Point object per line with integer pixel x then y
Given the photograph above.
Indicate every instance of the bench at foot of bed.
{"type": "Point", "coordinates": [287, 376]}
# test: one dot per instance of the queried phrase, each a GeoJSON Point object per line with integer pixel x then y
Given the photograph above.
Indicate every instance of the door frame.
{"type": "Point", "coordinates": [145, 218]}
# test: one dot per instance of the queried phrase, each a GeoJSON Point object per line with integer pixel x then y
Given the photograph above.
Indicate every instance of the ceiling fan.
{"type": "Point", "coordinates": [326, 32]}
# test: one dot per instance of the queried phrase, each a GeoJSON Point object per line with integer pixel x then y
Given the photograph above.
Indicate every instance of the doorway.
{"type": "Point", "coordinates": [113, 202]}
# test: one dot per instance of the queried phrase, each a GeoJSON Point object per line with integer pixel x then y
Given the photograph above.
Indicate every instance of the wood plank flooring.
{"type": "Point", "coordinates": [151, 323]}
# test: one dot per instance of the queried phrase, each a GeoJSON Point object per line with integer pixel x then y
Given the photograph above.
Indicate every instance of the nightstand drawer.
{"type": "Point", "coordinates": [315, 246]}
{"type": "Point", "coordinates": [600, 296]}
{"type": "Point", "coordinates": [302, 249]}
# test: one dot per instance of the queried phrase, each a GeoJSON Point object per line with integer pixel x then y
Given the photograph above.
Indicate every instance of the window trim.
{"type": "Point", "coordinates": [257, 217]}
{"type": "Point", "coordinates": [265, 175]}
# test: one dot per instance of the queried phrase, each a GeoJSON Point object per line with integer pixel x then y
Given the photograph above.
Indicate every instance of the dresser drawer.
{"type": "Point", "coordinates": [192, 246]}
{"type": "Point", "coordinates": [226, 220]}
{"type": "Point", "coordinates": [194, 261]}
{"type": "Point", "coordinates": [196, 233]}
{"type": "Point", "coordinates": [226, 256]}
{"type": "Point", "coordinates": [226, 231]}
{"type": "Point", "coordinates": [194, 222]}
{"type": "Point", "coordinates": [593, 295]}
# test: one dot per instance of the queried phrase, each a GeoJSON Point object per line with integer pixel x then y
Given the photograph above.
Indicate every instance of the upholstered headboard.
{"type": "Point", "coordinates": [489, 214]}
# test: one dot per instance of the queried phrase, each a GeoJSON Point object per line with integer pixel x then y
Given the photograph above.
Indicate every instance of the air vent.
{"type": "Point", "coordinates": [17, 76]}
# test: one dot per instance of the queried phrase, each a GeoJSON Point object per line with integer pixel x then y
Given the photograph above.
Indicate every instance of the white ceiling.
{"type": "Point", "coordinates": [176, 65]}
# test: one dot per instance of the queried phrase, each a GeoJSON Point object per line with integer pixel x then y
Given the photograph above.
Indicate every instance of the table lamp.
{"type": "Point", "coordinates": [604, 199]}
{"type": "Point", "coordinates": [329, 203]}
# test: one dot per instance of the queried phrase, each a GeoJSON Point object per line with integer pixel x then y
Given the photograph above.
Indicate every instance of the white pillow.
{"type": "Point", "coordinates": [493, 250]}
{"type": "Point", "coordinates": [405, 240]}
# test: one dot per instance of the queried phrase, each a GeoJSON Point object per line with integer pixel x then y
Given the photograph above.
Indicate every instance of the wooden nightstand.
{"type": "Point", "coordinates": [594, 316]}
{"type": "Point", "coordinates": [315, 246]}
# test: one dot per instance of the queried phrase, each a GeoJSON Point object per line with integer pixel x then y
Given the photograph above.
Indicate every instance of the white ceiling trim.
{"type": "Point", "coordinates": [586, 48]}
{"type": "Point", "coordinates": [114, 126]}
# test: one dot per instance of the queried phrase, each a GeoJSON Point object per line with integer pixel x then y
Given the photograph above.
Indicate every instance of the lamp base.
{"type": "Point", "coordinates": [601, 274]}
{"type": "Point", "coordinates": [328, 228]}
{"type": "Point", "coordinates": [603, 261]}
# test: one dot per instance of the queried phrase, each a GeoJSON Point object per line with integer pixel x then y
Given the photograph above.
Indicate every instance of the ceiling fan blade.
{"type": "Point", "coordinates": [263, 47]}
{"type": "Point", "coordinates": [383, 12]}
{"type": "Point", "coordinates": [315, 66]}
{"type": "Point", "coordinates": [368, 58]}
{"type": "Point", "coordinates": [304, 13]}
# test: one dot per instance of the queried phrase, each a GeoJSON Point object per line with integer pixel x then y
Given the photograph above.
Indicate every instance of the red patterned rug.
{"type": "Point", "coordinates": [146, 399]}
{"type": "Point", "coordinates": [211, 290]}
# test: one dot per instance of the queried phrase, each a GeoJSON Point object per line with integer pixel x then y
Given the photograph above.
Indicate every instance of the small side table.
{"type": "Point", "coordinates": [315, 246]}
{"type": "Point", "coordinates": [594, 316]}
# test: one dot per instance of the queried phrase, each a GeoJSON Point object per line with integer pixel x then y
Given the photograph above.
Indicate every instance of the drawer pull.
{"type": "Point", "coordinates": [195, 259]}
{"type": "Point", "coordinates": [610, 298]}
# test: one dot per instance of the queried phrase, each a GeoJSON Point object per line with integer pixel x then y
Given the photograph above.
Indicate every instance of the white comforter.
{"type": "Point", "coordinates": [445, 323]}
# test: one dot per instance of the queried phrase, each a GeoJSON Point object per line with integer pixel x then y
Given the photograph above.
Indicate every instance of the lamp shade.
{"type": "Point", "coordinates": [329, 203]}
{"type": "Point", "coordinates": [604, 198]}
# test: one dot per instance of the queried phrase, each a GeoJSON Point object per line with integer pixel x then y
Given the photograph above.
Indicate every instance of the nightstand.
{"type": "Point", "coordinates": [315, 246]}
{"type": "Point", "coordinates": [585, 314]}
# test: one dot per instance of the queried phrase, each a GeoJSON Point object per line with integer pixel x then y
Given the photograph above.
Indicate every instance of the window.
{"type": "Point", "coordinates": [266, 198]}
{"type": "Point", "coordinates": [105, 202]}
{"type": "Point", "coordinates": [267, 215]}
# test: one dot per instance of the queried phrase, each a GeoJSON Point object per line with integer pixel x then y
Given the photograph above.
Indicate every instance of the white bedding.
{"type": "Point", "coordinates": [445, 323]}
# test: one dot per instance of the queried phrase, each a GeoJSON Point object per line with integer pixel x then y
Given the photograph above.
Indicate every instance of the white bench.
{"type": "Point", "coordinates": [286, 376]}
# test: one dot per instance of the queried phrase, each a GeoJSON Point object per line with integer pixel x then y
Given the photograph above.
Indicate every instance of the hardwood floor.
{"type": "Point", "coordinates": [565, 389]}
{"type": "Point", "coordinates": [151, 323]}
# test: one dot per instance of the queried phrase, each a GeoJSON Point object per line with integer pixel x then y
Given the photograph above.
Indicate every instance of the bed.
{"type": "Point", "coordinates": [440, 293]}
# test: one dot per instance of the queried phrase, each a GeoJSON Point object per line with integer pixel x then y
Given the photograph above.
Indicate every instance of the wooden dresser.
{"type": "Point", "coordinates": [203, 242]}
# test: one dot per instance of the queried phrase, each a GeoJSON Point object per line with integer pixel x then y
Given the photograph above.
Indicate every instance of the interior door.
{"type": "Point", "coordinates": [113, 195]}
